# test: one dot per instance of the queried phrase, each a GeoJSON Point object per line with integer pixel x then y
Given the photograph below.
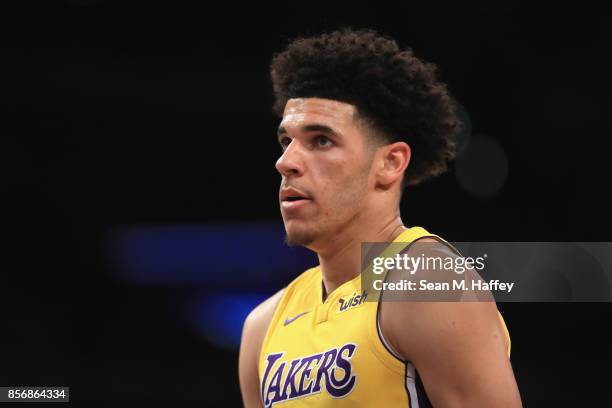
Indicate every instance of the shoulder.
{"type": "Point", "coordinates": [257, 322]}
{"type": "Point", "coordinates": [450, 344]}
{"type": "Point", "coordinates": [253, 333]}
{"type": "Point", "coordinates": [413, 323]}
{"type": "Point", "coordinates": [414, 328]}
{"type": "Point", "coordinates": [259, 318]}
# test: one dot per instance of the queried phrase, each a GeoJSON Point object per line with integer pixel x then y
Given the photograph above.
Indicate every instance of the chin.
{"type": "Point", "coordinates": [299, 236]}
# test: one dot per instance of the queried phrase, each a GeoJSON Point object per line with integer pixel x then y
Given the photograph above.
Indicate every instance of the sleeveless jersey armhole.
{"type": "Point", "coordinates": [381, 347]}
{"type": "Point", "coordinates": [390, 357]}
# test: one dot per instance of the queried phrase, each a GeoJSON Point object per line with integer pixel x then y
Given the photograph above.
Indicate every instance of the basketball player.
{"type": "Point", "coordinates": [362, 119]}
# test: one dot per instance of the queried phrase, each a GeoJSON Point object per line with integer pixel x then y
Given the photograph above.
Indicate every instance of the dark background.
{"type": "Point", "coordinates": [119, 113]}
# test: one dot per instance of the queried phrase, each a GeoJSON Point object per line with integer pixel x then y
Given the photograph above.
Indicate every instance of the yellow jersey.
{"type": "Point", "coordinates": [332, 352]}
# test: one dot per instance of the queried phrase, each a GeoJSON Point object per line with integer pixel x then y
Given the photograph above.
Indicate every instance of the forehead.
{"type": "Point", "coordinates": [334, 113]}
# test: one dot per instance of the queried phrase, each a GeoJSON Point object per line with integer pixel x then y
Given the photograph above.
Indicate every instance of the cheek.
{"type": "Point", "coordinates": [339, 165]}
{"type": "Point", "coordinates": [339, 178]}
{"type": "Point", "coordinates": [342, 186]}
{"type": "Point", "coordinates": [333, 178]}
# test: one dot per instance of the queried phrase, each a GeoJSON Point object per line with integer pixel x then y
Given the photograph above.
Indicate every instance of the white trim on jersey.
{"type": "Point", "coordinates": [410, 370]}
{"type": "Point", "coordinates": [411, 386]}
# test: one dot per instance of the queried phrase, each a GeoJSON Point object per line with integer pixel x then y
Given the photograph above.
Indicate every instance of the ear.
{"type": "Point", "coordinates": [393, 161]}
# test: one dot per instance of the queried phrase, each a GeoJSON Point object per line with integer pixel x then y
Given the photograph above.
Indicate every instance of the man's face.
{"type": "Point", "coordinates": [324, 166]}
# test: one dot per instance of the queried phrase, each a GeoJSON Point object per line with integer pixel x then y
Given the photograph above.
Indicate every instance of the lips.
{"type": "Point", "coordinates": [293, 199]}
{"type": "Point", "coordinates": [292, 194]}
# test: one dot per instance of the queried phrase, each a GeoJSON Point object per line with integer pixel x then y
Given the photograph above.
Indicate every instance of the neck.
{"type": "Point", "coordinates": [340, 260]}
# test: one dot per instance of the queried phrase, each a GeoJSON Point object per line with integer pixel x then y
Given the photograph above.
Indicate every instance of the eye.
{"type": "Point", "coordinates": [323, 141]}
{"type": "Point", "coordinates": [284, 142]}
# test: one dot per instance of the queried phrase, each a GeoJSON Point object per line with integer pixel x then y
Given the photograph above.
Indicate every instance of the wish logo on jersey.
{"type": "Point", "coordinates": [331, 369]}
{"type": "Point", "coordinates": [353, 301]}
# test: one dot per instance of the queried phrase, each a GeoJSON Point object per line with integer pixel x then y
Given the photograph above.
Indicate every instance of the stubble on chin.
{"type": "Point", "coordinates": [299, 239]}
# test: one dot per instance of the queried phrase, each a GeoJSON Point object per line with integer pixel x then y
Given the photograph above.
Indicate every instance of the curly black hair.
{"type": "Point", "coordinates": [391, 88]}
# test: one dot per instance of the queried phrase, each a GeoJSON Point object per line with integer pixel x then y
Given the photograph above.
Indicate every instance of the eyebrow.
{"type": "Point", "coordinates": [315, 127]}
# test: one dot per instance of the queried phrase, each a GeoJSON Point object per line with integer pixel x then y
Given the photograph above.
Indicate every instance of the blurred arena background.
{"type": "Point", "coordinates": [141, 219]}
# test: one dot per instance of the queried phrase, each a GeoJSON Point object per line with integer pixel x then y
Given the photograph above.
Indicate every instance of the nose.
{"type": "Point", "coordinates": [291, 162]}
